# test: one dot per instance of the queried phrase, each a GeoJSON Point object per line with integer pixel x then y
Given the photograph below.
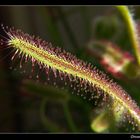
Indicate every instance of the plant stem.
{"type": "Point", "coordinates": [86, 21]}
{"type": "Point", "coordinates": [52, 26]}
{"type": "Point", "coordinates": [69, 117]}
{"type": "Point", "coordinates": [67, 28]}
{"type": "Point", "coordinates": [131, 26]}
{"type": "Point", "coordinates": [46, 122]}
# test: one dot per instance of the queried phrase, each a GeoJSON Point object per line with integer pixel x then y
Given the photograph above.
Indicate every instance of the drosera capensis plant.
{"type": "Point", "coordinates": [65, 65]}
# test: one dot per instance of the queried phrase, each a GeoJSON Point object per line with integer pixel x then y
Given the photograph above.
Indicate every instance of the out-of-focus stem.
{"type": "Point", "coordinates": [68, 115]}
{"type": "Point", "coordinates": [46, 122]}
{"type": "Point", "coordinates": [67, 28]}
{"type": "Point", "coordinates": [131, 26]}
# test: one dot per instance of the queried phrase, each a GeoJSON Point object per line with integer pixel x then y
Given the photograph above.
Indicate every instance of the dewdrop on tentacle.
{"type": "Point", "coordinates": [66, 65]}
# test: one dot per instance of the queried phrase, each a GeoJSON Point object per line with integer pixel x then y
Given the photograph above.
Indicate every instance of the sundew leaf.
{"type": "Point", "coordinates": [64, 65]}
